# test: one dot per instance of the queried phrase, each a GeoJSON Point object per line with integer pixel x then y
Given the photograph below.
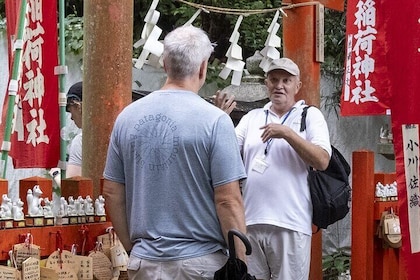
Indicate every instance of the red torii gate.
{"type": "Point", "coordinates": [303, 43]}
{"type": "Point", "coordinates": [100, 107]}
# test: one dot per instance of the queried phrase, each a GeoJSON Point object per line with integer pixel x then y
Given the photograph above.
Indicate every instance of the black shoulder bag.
{"type": "Point", "coordinates": [330, 189]}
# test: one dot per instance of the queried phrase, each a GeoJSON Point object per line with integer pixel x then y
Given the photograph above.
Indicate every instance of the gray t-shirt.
{"type": "Point", "coordinates": [170, 149]}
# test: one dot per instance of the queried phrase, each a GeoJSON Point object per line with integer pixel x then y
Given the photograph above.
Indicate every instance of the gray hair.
{"type": "Point", "coordinates": [185, 48]}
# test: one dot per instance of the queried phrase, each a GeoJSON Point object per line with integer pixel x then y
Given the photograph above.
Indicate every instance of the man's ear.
{"type": "Point", "coordinates": [203, 70]}
{"type": "Point", "coordinates": [299, 86]}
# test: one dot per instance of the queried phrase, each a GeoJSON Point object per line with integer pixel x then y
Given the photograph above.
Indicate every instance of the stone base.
{"type": "Point", "coordinates": [49, 221]}
{"type": "Point", "coordinates": [62, 220]}
{"type": "Point", "coordinates": [6, 223]}
{"type": "Point", "coordinates": [73, 220]}
{"type": "Point", "coordinates": [100, 218]}
{"type": "Point", "coordinates": [19, 224]}
{"type": "Point", "coordinates": [81, 219]}
{"type": "Point", "coordinates": [90, 219]}
{"type": "Point", "coordinates": [34, 221]}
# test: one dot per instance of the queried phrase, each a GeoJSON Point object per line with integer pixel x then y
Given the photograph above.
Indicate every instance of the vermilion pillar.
{"type": "Point", "coordinates": [107, 77]}
{"type": "Point", "coordinates": [363, 196]}
{"type": "Point", "coordinates": [299, 43]}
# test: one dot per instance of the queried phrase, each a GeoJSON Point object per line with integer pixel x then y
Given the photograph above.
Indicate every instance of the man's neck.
{"type": "Point", "coordinates": [186, 84]}
{"type": "Point", "coordinates": [281, 110]}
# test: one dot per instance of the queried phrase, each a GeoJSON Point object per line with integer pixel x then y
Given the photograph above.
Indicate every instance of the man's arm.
{"type": "Point", "coordinates": [114, 194]}
{"type": "Point", "coordinates": [73, 170]}
{"type": "Point", "coordinates": [230, 211]}
{"type": "Point", "coordinates": [74, 165]}
{"type": "Point", "coordinates": [312, 154]}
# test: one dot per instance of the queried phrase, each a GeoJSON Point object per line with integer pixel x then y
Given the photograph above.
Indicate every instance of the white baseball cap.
{"type": "Point", "coordinates": [285, 64]}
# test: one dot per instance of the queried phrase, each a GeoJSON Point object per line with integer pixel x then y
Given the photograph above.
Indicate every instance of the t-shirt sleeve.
{"type": "Point", "coordinates": [241, 130]}
{"type": "Point", "coordinates": [114, 168]}
{"type": "Point", "coordinates": [226, 162]}
{"type": "Point", "coordinates": [317, 129]}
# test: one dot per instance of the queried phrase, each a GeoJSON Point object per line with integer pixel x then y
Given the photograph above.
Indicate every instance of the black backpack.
{"type": "Point", "coordinates": [330, 189]}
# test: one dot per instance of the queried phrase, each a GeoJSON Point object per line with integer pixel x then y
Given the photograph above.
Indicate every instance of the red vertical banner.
{"type": "Point", "coordinates": [366, 84]}
{"type": "Point", "coordinates": [382, 72]}
{"type": "Point", "coordinates": [403, 39]}
{"type": "Point", "coordinates": [35, 140]}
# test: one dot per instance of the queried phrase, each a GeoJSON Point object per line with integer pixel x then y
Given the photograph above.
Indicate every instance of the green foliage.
{"type": "Point", "coordinates": [2, 23]}
{"type": "Point", "coordinates": [334, 37]}
{"type": "Point", "coordinates": [2, 15]}
{"type": "Point", "coordinates": [213, 70]}
{"type": "Point", "coordinates": [73, 34]}
{"type": "Point", "coordinates": [334, 53]}
{"type": "Point", "coordinates": [334, 265]}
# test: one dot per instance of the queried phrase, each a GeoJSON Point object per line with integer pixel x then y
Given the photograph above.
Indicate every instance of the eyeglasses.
{"type": "Point", "coordinates": [72, 103]}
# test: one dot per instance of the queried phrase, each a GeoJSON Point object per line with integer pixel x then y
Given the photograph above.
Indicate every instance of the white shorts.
{"type": "Point", "coordinates": [278, 253]}
{"type": "Point", "coordinates": [189, 269]}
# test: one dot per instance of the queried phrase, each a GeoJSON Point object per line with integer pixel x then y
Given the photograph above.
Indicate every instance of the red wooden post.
{"type": "Point", "coordinates": [107, 64]}
{"type": "Point", "coordinates": [299, 45]}
{"type": "Point", "coordinates": [4, 187]}
{"type": "Point", "coordinates": [76, 186]}
{"type": "Point", "coordinates": [362, 215]}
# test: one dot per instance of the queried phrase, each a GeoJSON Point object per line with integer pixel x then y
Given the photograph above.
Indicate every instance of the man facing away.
{"type": "Point", "coordinates": [172, 172]}
{"type": "Point", "coordinates": [74, 107]}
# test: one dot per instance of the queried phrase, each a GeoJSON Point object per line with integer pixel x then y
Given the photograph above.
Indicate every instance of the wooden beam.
{"type": "Point", "coordinates": [333, 4]}
{"type": "Point", "coordinates": [330, 4]}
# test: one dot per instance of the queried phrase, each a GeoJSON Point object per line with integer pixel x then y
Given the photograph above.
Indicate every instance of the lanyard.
{"type": "Point", "coordinates": [267, 147]}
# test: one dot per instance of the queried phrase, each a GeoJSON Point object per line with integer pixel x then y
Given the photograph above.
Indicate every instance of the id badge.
{"type": "Point", "coordinates": [259, 164]}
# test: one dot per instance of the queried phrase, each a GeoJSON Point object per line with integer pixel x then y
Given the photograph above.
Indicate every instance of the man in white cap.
{"type": "Point", "coordinates": [278, 207]}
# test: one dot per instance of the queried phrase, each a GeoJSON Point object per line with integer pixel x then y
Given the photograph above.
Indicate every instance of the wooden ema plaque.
{"type": "Point", "coordinates": [28, 183]}
{"type": "Point", "coordinates": [4, 187]}
{"type": "Point", "coordinates": [76, 186]}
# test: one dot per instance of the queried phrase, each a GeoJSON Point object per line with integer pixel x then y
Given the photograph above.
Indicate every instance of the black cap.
{"type": "Point", "coordinates": [75, 92]}
{"type": "Point", "coordinates": [74, 95]}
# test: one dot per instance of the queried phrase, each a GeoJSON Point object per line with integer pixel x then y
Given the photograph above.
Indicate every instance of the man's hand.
{"type": "Point", "coordinates": [273, 130]}
{"type": "Point", "coordinates": [223, 103]}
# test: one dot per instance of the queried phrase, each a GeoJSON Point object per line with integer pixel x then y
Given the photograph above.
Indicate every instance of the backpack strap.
{"type": "Point", "coordinates": [302, 128]}
{"type": "Point", "coordinates": [303, 121]}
